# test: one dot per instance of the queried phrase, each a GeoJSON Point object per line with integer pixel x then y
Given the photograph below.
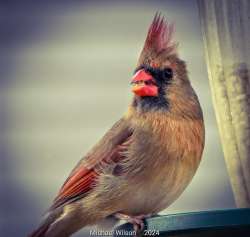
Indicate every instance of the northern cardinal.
{"type": "Point", "coordinates": [146, 160]}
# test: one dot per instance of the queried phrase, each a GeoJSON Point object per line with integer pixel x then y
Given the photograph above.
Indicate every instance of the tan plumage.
{"type": "Point", "coordinates": [147, 158]}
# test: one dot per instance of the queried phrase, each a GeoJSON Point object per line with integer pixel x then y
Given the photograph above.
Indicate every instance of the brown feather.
{"type": "Point", "coordinates": [83, 178]}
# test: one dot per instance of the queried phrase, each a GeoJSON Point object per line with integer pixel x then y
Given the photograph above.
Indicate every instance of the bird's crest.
{"type": "Point", "coordinates": [159, 39]}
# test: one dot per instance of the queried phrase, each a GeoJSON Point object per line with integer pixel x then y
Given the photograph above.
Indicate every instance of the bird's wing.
{"type": "Point", "coordinates": [107, 151]}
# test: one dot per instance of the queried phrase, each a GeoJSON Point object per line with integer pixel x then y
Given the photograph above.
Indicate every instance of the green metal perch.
{"type": "Point", "coordinates": [235, 222]}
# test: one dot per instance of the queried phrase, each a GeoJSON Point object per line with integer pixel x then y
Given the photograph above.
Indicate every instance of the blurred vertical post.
{"type": "Point", "coordinates": [226, 32]}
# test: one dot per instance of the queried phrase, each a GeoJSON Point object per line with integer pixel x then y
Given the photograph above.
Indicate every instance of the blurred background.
{"type": "Point", "coordinates": [64, 80]}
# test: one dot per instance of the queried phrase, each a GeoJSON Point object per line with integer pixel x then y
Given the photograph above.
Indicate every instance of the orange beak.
{"type": "Point", "coordinates": [144, 84]}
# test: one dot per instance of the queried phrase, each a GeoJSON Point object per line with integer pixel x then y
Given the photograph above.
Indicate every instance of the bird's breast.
{"type": "Point", "coordinates": [162, 160]}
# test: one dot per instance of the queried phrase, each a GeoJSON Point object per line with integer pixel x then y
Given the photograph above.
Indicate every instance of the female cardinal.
{"type": "Point", "coordinates": [146, 160]}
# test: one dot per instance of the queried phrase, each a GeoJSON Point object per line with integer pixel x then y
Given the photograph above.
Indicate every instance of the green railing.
{"type": "Point", "coordinates": [229, 223]}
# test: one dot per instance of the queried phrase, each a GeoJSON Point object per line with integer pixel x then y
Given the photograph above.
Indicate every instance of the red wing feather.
{"type": "Point", "coordinates": [109, 150]}
{"type": "Point", "coordinates": [81, 181]}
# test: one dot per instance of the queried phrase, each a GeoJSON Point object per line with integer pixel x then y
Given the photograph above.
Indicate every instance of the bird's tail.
{"type": "Point", "coordinates": [43, 228]}
{"type": "Point", "coordinates": [40, 231]}
{"type": "Point", "coordinates": [62, 223]}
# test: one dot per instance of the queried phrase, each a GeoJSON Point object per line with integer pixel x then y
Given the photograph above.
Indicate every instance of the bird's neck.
{"type": "Point", "coordinates": [148, 103]}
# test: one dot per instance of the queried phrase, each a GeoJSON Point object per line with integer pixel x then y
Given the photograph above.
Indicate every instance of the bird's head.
{"type": "Point", "coordinates": [159, 74]}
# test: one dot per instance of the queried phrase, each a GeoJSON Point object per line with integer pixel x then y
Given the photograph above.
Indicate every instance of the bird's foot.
{"type": "Point", "coordinates": [136, 221]}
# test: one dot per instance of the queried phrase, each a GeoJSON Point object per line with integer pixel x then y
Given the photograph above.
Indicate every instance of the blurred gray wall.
{"type": "Point", "coordinates": [65, 71]}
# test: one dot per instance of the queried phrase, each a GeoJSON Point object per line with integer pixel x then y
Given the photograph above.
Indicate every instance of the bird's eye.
{"type": "Point", "coordinates": [167, 73]}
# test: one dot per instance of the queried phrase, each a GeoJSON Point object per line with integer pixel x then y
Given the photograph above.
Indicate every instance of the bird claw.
{"type": "Point", "coordinates": [136, 221]}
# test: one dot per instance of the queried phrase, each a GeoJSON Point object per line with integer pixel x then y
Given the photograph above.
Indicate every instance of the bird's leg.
{"type": "Point", "coordinates": [136, 221]}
